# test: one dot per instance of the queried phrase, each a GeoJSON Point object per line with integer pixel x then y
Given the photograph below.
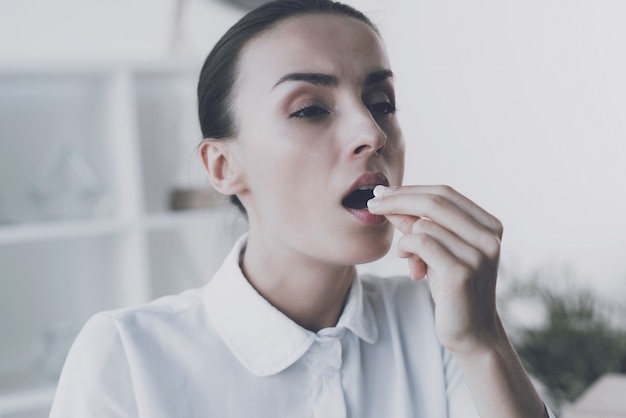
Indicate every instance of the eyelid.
{"type": "Point", "coordinates": [385, 87]}
{"type": "Point", "coordinates": [379, 95]}
{"type": "Point", "coordinates": [316, 111]}
{"type": "Point", "coordinates": [306, 102]}
{"type": "Point", "coordinates": [380, 102]}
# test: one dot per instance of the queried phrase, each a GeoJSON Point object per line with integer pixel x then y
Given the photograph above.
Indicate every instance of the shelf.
{"type": "Point", "coordinates": [168, 133]}
{"type": "Point", "coordinates": [37, 397]}
{"type": "Point", "coordinates": [46, 231]}
{"type": "Point", "coordinates": [52, 139]}
{"type": "Point", "coordinates": [26, 390]}
{"type": "Point", "coordinates": [49, 290]}
{"type": "Point", "coordinates": [65, 67]}
{"type": "Point", "coordinates": [186, 248]}
{"type": "Point", "coordinates": [174, 220]}
{"type": "Point", "coordinates": [93, 157]}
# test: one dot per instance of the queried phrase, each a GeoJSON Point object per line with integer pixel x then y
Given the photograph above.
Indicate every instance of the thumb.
{"type": "Point", "coordinates": [417, 268]}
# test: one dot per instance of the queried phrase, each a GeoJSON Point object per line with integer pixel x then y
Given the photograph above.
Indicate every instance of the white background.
{"type": "Point", "coordinates": [520, 105]}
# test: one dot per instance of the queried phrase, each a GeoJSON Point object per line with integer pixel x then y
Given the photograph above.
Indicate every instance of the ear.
{"type": "Point", "coordinates": [220, 159]}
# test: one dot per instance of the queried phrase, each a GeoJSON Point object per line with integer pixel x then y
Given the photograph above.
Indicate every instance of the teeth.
{"type": "Point", "coordinates": [367, 187]}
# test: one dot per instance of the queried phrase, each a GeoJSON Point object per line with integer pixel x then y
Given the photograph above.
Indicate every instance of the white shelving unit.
{"type": "Point", "coordinates": [89, 155]}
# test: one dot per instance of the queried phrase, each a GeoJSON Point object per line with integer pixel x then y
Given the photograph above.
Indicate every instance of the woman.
{"type": "Point", "coordinates": [297, 109]}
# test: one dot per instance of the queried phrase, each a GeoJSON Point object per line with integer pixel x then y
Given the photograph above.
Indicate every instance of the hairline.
{"type": "Point", "coordinates": [237, 64]}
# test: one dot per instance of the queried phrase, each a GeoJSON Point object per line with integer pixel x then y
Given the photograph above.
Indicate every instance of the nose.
{"type": "Point", "coordinates": [367, 136]}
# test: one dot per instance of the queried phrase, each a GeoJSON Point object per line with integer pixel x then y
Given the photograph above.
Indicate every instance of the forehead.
{"type": "Point", "coordinates": [325, 43]}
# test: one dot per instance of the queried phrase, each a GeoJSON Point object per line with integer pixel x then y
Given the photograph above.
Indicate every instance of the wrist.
{"type": "Point", "coordinates": [490, 340]}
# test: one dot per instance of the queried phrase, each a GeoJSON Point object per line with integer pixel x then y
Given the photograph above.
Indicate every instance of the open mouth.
{"type": "Point", "coordinates": [360, 192]}
{"type": "Point", "coordinates": [358, 198]}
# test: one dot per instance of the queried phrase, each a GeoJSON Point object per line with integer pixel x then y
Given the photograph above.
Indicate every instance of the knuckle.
{"type": "Point", "coordinates": [420, 242]}
{"type": "Point", "coordinates": [476, 260]}
{"type": "Point", "coordinates": [410, 241]}
{"type": "Point", "coordinates": [423, 240]}
{"type": "Point", "coordinates": [436, 201]}
{"type": "Point", "coordinates": [421, 225]}
{"type": "Point", "coordinates": [446, 190]}
{"type": "Point", "coordinates": [492, 246]}
{"type": "Point", "coordinates": [497, 227]}
{"type": "Point", "coordinates": [415, 243]}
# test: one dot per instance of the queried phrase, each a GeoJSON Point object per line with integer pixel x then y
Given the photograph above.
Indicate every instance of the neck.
{"type": "Point", "coordinates": [308, 291]}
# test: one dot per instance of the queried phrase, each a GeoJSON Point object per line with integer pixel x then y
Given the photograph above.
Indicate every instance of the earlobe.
{"type": "Point", "coordinates": [221, 164]}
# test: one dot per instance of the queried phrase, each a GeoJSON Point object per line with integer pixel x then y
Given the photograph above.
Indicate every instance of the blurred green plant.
{"type": "Point", "coordinates": [579, 338]}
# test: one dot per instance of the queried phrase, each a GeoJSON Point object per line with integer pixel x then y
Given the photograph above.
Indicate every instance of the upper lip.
{"type": "Point", "coordinates": [367, 179]}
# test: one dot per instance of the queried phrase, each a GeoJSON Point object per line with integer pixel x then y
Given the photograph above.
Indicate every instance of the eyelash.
{"type": "Point", "coordinates": [383, 108]}
{"type": "Point", "coordinates": [304, 112]}
{"type": "Point", "coordinates": [317, 112]}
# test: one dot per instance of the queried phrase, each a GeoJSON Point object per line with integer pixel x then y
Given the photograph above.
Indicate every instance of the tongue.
{"type": "Point", "coordinates": [358, 199]}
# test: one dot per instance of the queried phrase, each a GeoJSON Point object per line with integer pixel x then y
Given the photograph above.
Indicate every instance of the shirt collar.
{"type": "Point", "coordinates": [262, 338]}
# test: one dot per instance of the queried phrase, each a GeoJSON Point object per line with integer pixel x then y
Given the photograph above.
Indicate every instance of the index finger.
{"type": "Point", "coordinates": [466, 205]}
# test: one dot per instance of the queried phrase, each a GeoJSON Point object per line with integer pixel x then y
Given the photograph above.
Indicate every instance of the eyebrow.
{"type": "Point", "coordinates": [318, 79]}
{"type": "Point", "coordinates": [328, 80]}
{"type": "Point", "coordinates": [377, 77]}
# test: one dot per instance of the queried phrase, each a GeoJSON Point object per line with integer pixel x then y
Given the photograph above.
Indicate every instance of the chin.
{"type": "Point", "coordinates": [369, 247]}
{"type": "Point", "coordinates": [370, 256]}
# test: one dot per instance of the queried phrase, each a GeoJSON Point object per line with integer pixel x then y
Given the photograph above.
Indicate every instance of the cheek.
{"type": "Point", "coordinates": [401, 156]}
{"type": "Point", "coordinates": [298, 151]}
{"type": "Point", "coordinates": [287, 173]}
{"type": "Point", "coordinates": [395, 156]}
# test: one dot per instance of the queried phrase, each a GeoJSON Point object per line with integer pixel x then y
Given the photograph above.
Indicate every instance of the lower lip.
{"type": "Point", "coordinates": [366, 217]}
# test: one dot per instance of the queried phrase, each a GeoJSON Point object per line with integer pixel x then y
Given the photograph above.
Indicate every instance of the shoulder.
{"type": "Point", "coordinates": [108, 335]}
{"type": "Point", "coordinates": [112, 327]}
{"type": "Point", "coordinates": [116, 346]}
{"type": "Point", "coordinates": [168, 316]}
{"type": "Point", "coordinates": [163, 309]}
{"type": "Point", "coordinates": [96, 375]}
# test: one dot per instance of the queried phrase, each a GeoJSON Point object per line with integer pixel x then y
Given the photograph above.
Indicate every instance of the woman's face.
{"type": "Point", "coordinates": [314, 109]}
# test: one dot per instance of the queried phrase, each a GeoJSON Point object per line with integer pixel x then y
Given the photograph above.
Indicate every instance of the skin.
{"type": "Point", "coordinates": [291, 171]}
{"type": "Point", "coordinates": [299, 147]}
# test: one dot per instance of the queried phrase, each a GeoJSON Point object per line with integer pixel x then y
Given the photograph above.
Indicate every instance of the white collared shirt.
{"type": "Point", "coordinates": [224, 351]}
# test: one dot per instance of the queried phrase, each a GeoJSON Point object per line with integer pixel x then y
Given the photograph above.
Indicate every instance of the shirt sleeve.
{"type": "Point", "coordinates": [460, 402]}
{"type": "Point", "coordinates": [96, 379]}
{"type": "Point", "coordinates": [550, 413]}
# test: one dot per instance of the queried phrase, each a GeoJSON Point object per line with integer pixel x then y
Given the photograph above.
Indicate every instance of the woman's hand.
{"type": "Point", "coordinates": [456, 244]}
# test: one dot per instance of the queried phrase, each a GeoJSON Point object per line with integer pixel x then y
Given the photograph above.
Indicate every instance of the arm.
{"type": "Point", "coordinates": [456, 244]}
{"type": "Point", "coordinates": [498, 383]}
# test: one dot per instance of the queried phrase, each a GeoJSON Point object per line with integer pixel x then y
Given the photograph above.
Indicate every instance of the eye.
{"type": "Point", "coordinates": [383, 108]}
{"type": "Point", "coordinates": [309, 112]}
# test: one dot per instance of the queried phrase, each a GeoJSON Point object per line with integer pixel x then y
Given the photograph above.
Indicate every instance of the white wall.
{"type": "Point", "coordinates": [519, 104]}
{"type": "Point", "coordinates": [111, 29]}
{"type": "Point", "coordinates": [522, 105]}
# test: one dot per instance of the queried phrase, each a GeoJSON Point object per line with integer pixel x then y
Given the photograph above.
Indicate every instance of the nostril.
{"type": "Point", "coordinates": [359, 149]}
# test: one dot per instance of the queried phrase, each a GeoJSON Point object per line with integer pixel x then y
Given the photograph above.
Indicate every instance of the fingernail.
{"type": "Point", "coordinates": [382, 190]}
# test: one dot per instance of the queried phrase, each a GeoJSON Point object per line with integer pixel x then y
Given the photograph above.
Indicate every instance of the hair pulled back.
{"type": "Point", "coordinates": [220, 69]}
